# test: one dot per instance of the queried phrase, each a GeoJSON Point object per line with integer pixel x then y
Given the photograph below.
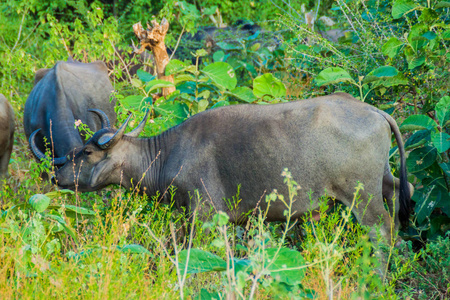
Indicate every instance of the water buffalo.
{"type": "Point", "coordinates": [6, 134]}
{"type": "Point", "coordinates": [328, 143]}
{"type": "Point", "coordinates": [61, 96]}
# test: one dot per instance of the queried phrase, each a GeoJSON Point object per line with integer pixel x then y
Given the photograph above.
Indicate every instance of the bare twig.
{"type": "Point", "coordinates": [178, 42]}
{"type": "Point", "coordinates": [20, 30]}
{"type": "Point", "coordinates": [121, 59]}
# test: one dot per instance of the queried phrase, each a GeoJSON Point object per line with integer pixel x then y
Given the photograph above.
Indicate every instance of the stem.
{"type": "Point", "coordinates": [178, 42]}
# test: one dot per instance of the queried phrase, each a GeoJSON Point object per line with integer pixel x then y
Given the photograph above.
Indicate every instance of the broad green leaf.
{"type": "Point", "coordinates": [441, 141]}
{"type": "Point", "coordinates": [136, 83]}
{"type": "Point", "coordinates": [249, 67]}
{"type": "Point", "coordinates": [255, 47]}
{"type": "Point", "coordinates": [177, 110]}
{"type": "Point", "coordinates": [57, 227]}
{"type": "Point", "coordinates": [79, 210]}
{"type": "Point", "coordinates": [221, 218]}
{"type": "Point", "coordinates": [446, 35]}
{"type": "Point", "coordinates": [392, 47]}
{"type": "Point", "coordinates": [333, 75]}
{"type": "Point", "coordinates": [175, 66]}
{"type": "Point", "coordinates": [414, 61]}
{"type": "Point", "coordinates": [418, 122]}
{"type": "Point", "coordinates": [443, 110]}
{"type": "Point", "coordinates": [418, 139]}
{"type": "Point", "coordinates": [57, 218]}
{"type": "Point", "coordinates": [221, 74]}
{"type": "Point", "coordinates": [157, 84]}
{"type": "Point", "coordinates": [200, 52]}
{"type": "Point", "coordinates": [243, 265]}
{"type": "Point", "coordinates": [428, 15]}
{"type": "Point", "coordinates": [202, 105]}
{"type": "Point", "coordinates": [227, 46]}
{"type": "Point", "coordinates": [446, 168]}
{"type": "Point", "coordinates": [204, 94]}
{"type": "Point", "coordinates": [426, 203]}
{"type": "Point", "coordinates": [221, 103]}
{"type": "Point", "coordinates": [189, 10]}
{"type": "Point", "coordinates": [219, 56]}
{"type": "Point", "coordinates": [267, 84]}
{"type": "Point", "coordinates": [287, 266]}
{"type": "Point", "coordinates": [183, 77]}
{"type": "Point", "coordinates": [132, 102]}
{"type": "Point", "coordinates": [205, 295]}
{"type": "Point", "coordinates": [398, 79]}
{"type": "Point", "coordinates": [415, 37]}
{"type": "Point", "coordinates": [144, 76]}
{"type": "Point", "coordinates": [200, 261]}
{"type": "Point", "coordinates": [58, 193]}
{"type": "Point", "coordinates": [402, 7]}
{"type": "Point", "coordinates": [380, 73]}
{"type": "Point", "coordinates": [243, 93]}
{"type": "Point", "coordinates": [39, 202]}
{"type": "Point", "coordinates": [442, 4]}
{"type": "Point", "coordinates": [134, 249]}
{"type": "Point", "coordinates": [209, 10]}
{"type": "Point", "coordinates": [430, 35]}
{"type": "Point", "coordinates": [421, 158]}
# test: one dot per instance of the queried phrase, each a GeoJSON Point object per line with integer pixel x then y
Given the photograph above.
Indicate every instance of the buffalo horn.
{"type": "Point", "coordinates": [57, 161]}
{"type": "Point", "coordinates": [103, 117]}
{"type": "Point", "coordinates": [137, 131]}
{"type": "Point", "coordinates": [116, 137]}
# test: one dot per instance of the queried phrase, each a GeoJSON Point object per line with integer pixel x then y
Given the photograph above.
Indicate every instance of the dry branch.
{"type": "Point", "coordinates": [153, 40]}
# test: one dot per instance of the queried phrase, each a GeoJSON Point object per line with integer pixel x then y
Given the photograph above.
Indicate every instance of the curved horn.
{"type": "Point", "coordinates": [116, 137]}
{"type": "Point", "coordinates": [38, 153]}
{"type": "Point", "coordinates": [137, 131]}
{"type": "Point", "coordinates": [103, 117]}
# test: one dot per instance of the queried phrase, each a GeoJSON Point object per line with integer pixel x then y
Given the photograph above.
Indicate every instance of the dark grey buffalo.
{"type": "Point", "coordinates": [328, 144]}
{"type": "Point", "coordinates": [6, 134]}
{"type": "Point", "coordinates": [61, 96]}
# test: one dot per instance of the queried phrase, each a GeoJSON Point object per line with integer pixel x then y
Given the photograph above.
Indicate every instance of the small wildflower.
{"type": "Point", "coordinates": [78, 123]}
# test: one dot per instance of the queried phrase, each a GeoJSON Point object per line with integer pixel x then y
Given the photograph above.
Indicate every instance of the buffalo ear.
{"type": "Point", "coordinates": [105, 138]}
{"type": "Point", "coordinates": [111, 141]}
{"type": "Point", "coordinates": [40, 74]}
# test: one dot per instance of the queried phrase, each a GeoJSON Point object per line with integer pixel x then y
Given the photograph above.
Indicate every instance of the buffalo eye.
{"type": "Point", "coordinates": [87, 151]}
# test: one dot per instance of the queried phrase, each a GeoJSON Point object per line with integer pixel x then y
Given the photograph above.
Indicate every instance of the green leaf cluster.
{"type": "Point", "coordinates": [430, 164]}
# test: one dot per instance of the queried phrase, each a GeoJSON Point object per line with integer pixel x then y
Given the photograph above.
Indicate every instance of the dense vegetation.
{"type": "Point", "coordinates": [116, 244]}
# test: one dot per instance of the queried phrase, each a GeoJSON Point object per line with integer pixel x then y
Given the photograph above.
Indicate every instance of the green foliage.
{"type": "Point", "coordinates": [279, 268]}
{"type": "Point", "coordinates": [381, 77]}
{"type": "Point", "coordinates": [197, 90]}
{"type": "Point", "coordinates": [40, 227]}
{"type": "Point", "coordinates": [429, 162]}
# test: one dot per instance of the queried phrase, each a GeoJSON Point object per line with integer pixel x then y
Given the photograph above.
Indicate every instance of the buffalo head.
{"type": "Point", "coordinates": [99, 162]}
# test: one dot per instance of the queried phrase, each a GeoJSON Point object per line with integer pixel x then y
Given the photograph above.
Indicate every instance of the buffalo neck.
{"type": "Point", "coordinates": [149, 156]}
